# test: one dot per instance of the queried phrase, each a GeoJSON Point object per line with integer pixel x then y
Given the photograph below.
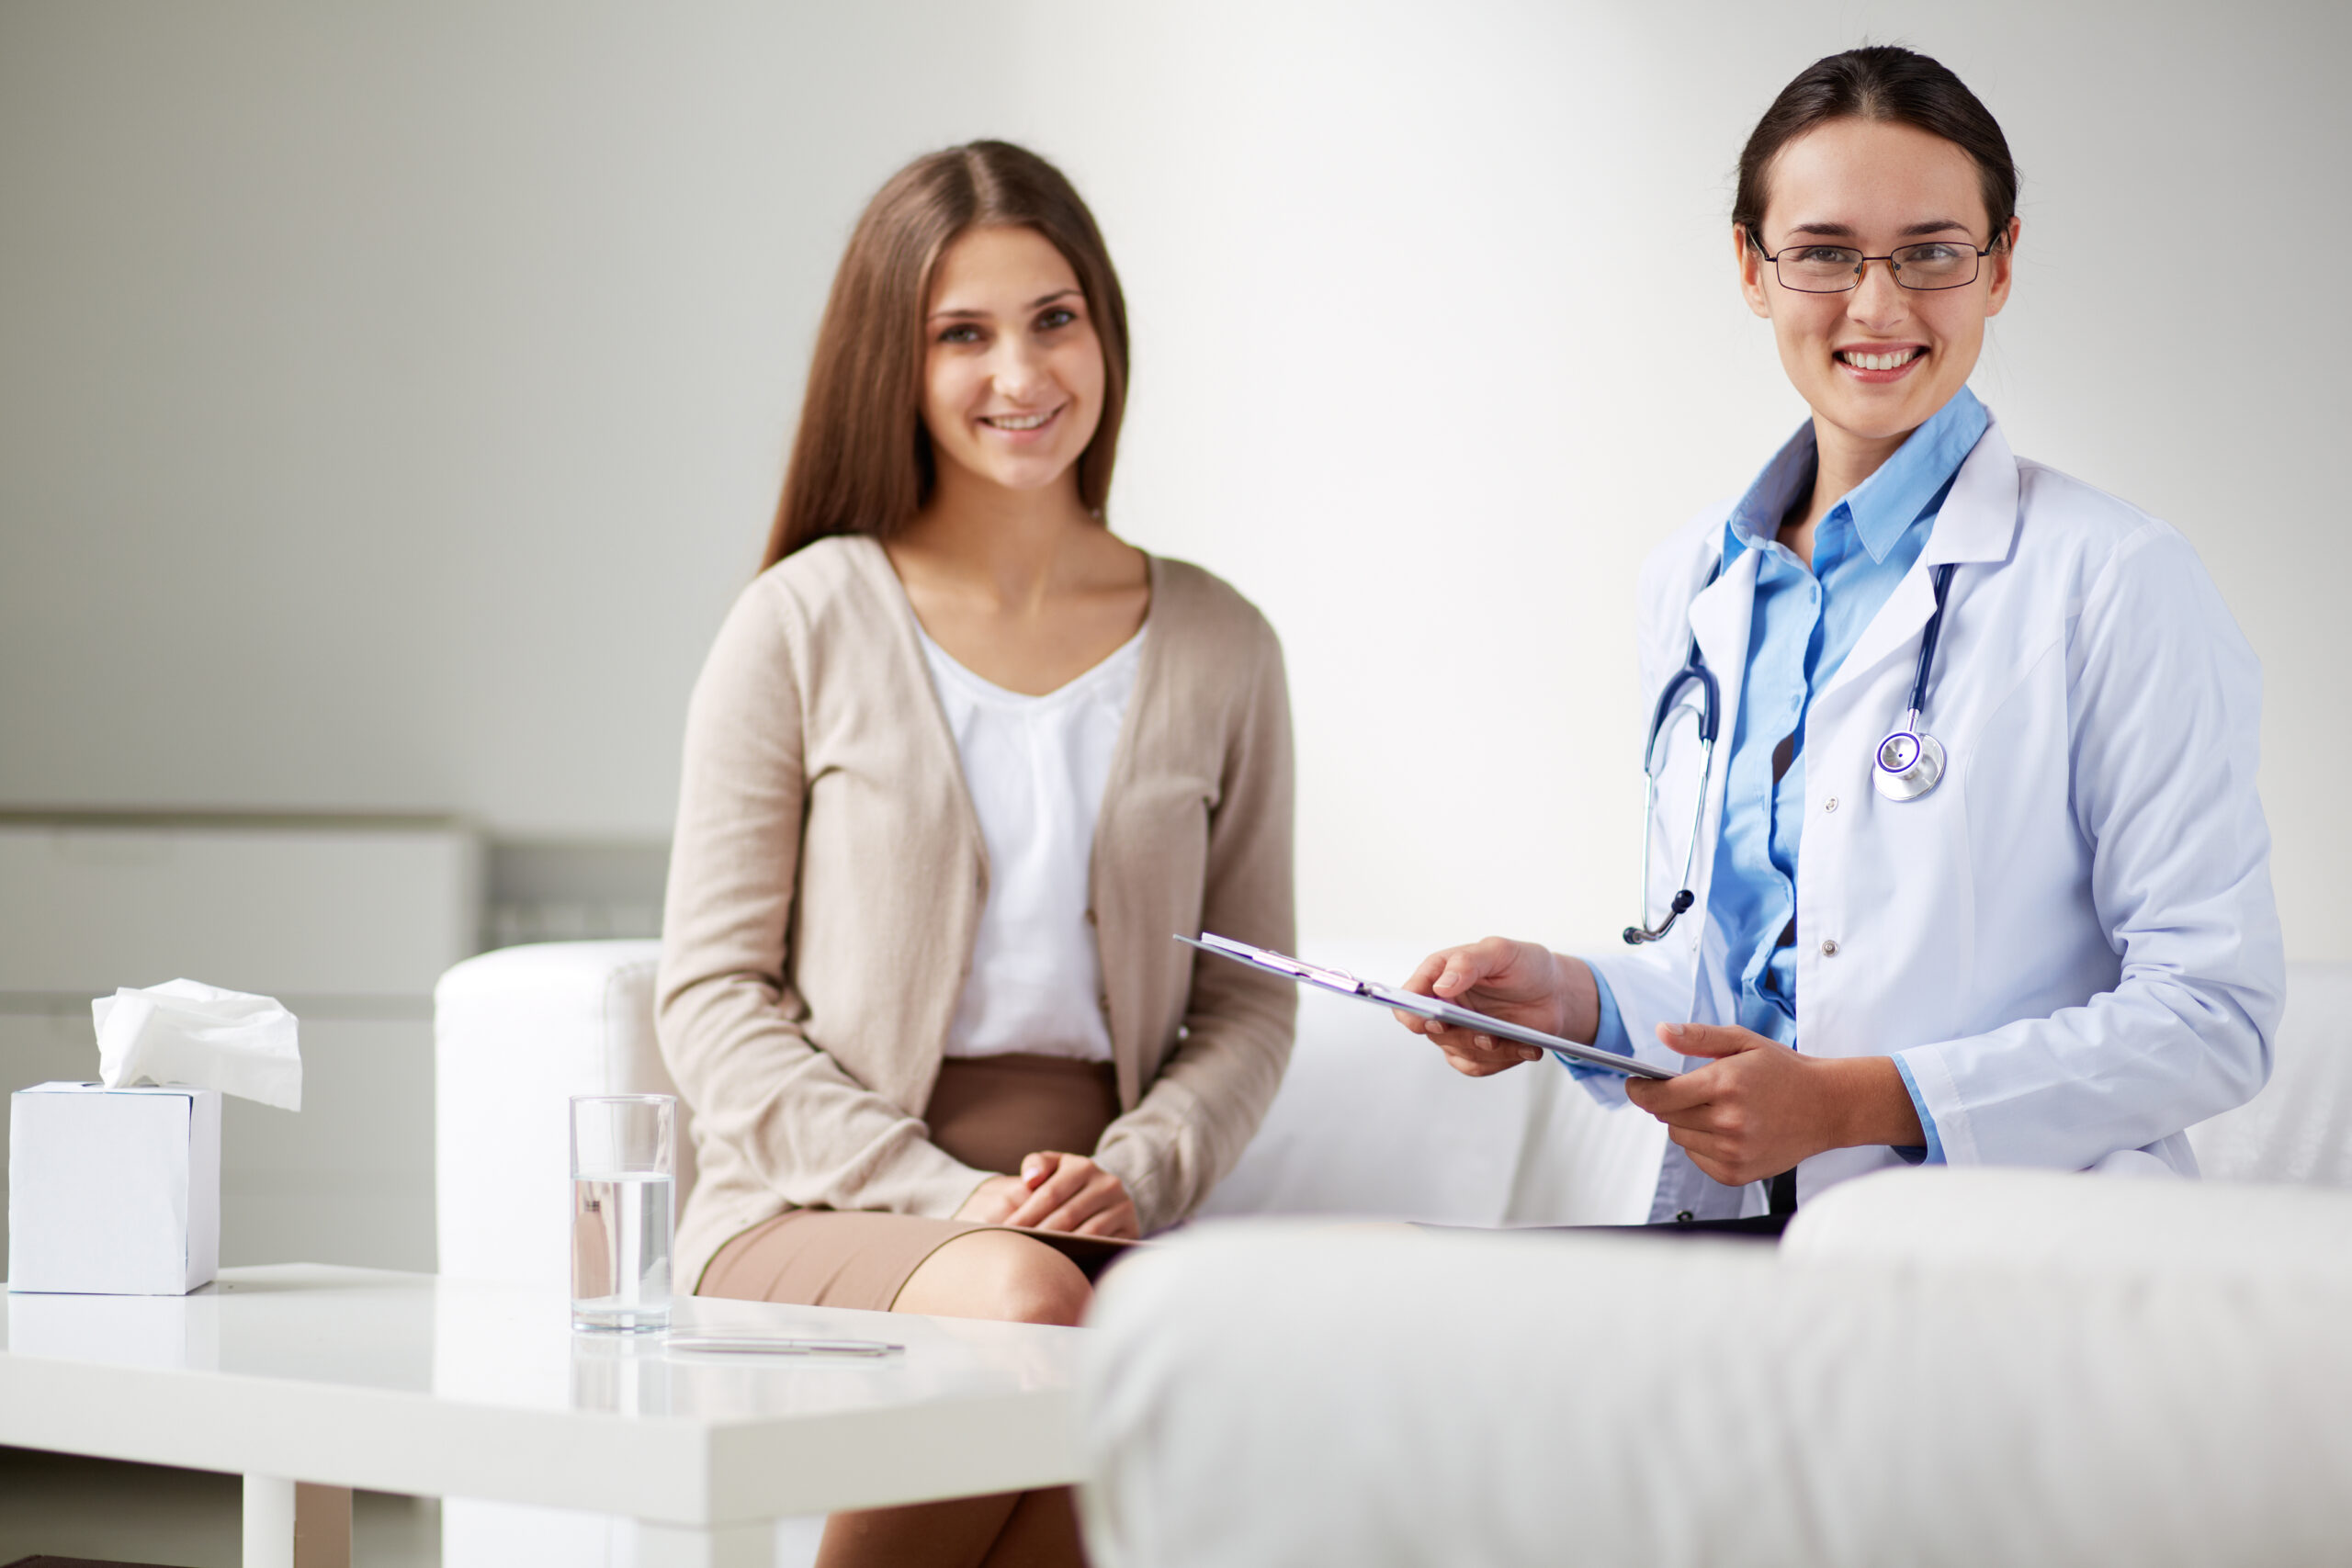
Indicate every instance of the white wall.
{"type": "Point", "coordinates": [391, 396]}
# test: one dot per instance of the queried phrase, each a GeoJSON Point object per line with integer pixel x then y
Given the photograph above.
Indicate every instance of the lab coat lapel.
{"type": "Point", "coordinates": [1979, 520]}
{"type": "Point", "coordinates": [1897, 624]}
{"type": "Point", "coordinates": [1978, 523]}
{"type": "Point", "coordinates": [1720, 618]}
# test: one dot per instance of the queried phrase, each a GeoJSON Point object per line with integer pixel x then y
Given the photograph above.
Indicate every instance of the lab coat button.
{"type": "Point", "coordinates": [1829, 804]}
{"type": "Point", "coordinates": [1829, 948]}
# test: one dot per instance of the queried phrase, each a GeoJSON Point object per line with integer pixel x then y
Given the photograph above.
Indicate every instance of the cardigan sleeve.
{"type": "Point", "coordinates": [730, 1028]}
{"type": "Point", "coordinates": [1192, 1125]}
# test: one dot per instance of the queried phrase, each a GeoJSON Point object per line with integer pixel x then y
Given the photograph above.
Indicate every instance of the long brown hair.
{"type": "Point", "coordinates": [861, 460]}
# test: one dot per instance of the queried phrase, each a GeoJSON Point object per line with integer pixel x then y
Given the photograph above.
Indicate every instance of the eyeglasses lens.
{"type": "Point", "coordinates": [1834, 269]}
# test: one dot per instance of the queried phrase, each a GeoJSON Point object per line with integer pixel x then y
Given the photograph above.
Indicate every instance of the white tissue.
{"type": "Point", "coordinates": [186, 1031]}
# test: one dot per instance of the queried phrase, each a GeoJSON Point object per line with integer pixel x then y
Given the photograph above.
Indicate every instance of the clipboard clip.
{"type": "Point", "coordinates": [1421, 1006]}
{"type": "Point", "coordinates": [1314, 974]}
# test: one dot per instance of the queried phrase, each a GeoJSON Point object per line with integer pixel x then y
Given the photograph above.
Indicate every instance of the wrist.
{"type": "Point", "coordinates": [990, 1187]}
{"type": "Point", "coordinates": [1579, 999]}
{"type": "Point", "coordinates": [1874, 1109]}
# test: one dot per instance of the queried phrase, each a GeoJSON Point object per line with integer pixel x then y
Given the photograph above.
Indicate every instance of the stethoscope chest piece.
{"type": "Point", "coordinates": [1909, 763]}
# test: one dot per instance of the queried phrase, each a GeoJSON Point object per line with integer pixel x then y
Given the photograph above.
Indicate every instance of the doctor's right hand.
{"type": "Point", "coordinates": [1520, 982]}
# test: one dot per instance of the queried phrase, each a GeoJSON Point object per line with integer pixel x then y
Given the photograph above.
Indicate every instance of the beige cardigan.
{"type": "Point", "coordinates": [828, 875]}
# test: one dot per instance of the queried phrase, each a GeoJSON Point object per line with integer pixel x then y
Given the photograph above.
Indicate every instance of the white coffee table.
{"type": "Point", "coordinates": [408, 1383]}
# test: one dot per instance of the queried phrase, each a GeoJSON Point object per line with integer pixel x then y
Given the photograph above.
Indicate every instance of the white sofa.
{"type": "Point", "coordinates": [2099, 1371]}
{"type": "Point", "coordinates": [1935, 1367]}
{"type": "Point", "coordinates": [1369, 1123]}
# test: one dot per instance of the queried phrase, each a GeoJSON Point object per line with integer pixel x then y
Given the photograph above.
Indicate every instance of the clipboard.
{"type": "Point", "coordinates": [1347, 984]}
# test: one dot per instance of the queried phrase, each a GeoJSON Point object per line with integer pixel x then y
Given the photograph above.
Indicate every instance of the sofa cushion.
{"type": "Point", "coordinates": [516, 1033]}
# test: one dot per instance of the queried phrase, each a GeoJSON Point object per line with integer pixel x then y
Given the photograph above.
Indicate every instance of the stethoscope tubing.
{"type": "Point", "coordinates": [1710, 711]}
{"type": "Point", "coordinates": [1918, 703]}
{"type": "Point", "coordinates": [1914, 779]}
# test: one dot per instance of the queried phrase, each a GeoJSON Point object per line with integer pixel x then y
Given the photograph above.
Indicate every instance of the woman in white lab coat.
{"type": "Point", "coordinates": [2064, 951]}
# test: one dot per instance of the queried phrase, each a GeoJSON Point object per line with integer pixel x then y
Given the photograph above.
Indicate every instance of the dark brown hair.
{"type": "Point", "coordinates": [861, 460]}
{"type": "Point", "coordinates": [1886, 83]}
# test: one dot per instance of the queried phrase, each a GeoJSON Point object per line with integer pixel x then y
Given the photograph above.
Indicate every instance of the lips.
{"type": "Point", "coordinates": [1877, 364]}
{"type": "Point", "coordinates": [1020, 423]}
{"type": "Point", "coordinates": [1895, 356]}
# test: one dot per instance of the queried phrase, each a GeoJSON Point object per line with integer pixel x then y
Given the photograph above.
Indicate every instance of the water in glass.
{"type": "Point", "coordinates": [620, 1251]}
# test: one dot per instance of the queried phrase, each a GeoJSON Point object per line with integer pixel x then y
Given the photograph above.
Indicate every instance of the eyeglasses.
{"type": "Point", "coordinates": [1835, 269]}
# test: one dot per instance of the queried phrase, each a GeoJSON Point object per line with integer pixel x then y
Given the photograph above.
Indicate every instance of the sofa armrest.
{"type": "Point", "coordinates": [516, 1033]}
{"type": "Point", "coordinates": [2060, 1224]}
{"type": "Point", "coordinates": [2299, 1128]}
{"type": "Point", "coordinates": [1260, 1394]}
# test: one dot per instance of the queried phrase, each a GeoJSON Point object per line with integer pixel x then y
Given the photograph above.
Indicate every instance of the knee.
{"type": "Point", "coordinates": [1001, 1275]}
{"type": "Point", "coordinates": [1010, 1278]}
{"type": "Point", "coordinates": [1032, 1284]}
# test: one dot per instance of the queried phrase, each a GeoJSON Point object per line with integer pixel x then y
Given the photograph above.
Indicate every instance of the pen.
{"type": "Point", "coordinates": [766, 1345]}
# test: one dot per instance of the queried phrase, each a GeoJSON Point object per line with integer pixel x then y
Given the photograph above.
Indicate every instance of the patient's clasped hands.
{"type": "Point", "coordinates": [1756, 1110]}
{"type": "Point", "coordinates": [1055, 1192]}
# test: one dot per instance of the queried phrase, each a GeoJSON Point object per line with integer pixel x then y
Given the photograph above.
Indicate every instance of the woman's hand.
{"type": "Point", "coordinates": [1055, 1192]}
{"type": "Point", "coordinates": [1759, 1108]}
{"type": "Point", "coordinates": [1519, 982]}
{"type": "Point", "coordinates": [993, 1201]}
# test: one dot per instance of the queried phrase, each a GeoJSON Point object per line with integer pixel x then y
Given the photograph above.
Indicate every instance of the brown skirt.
{"type": "Point", "coordinates": [989, 1112]}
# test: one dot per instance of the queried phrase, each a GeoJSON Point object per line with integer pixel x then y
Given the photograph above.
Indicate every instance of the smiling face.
{"type": "Point", "coordinates": [1012, 373]}
{"type": "Point", "coordinates": [1877, 362]}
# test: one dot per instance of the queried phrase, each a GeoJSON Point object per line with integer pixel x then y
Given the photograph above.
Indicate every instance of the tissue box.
{"type": "Point", "coordinates": [114, 1192]}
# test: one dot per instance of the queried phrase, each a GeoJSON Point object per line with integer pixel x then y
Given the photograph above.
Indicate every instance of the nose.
{"type": "Point", "coordinates": [1877, 301]}
{"type": "Point", "coordinates": [1020, 370]}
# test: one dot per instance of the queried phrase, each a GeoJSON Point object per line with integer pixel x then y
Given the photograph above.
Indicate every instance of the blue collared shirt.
{"type": "Point", "coordinates": [1804, 625]}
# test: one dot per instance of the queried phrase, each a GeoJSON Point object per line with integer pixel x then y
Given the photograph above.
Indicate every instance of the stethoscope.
{"type": "Point", "coordinates": [1909, 762]}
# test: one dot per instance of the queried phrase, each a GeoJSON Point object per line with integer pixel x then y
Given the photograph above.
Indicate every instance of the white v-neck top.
{"type": "Point", "coordinates": [1036, 768]}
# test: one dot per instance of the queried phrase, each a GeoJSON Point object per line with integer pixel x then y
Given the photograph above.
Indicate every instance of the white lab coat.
{"type": "Point", "coordinates": [2071, 942]}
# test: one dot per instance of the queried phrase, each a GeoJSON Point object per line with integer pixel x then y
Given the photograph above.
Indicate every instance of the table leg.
{"type": "Point", "coordinates": [726, 1546]}
{"type": "Point", "coordinates": [295, 1525]}
{"type": "Point", "coordinates": [322, 1525]}
{"type": "Point", "coordinates": [270, 1522]}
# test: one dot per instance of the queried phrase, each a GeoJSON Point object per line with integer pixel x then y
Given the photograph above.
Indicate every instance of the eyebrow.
{"type": "Point", "coordinates": [1038, 303]}
{"type": "Point", "coordinates": [1846, 232]}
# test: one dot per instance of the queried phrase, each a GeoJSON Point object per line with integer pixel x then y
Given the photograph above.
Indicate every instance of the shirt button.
{"type": "Point", "coordinates": [1829, 947]}
{"type": "Point", "coordinates": [1683, 1216]}
{"type": "Point", "coordinates": [1829, 804]}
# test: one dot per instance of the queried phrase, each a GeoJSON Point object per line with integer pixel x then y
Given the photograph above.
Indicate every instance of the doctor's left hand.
{"type": "Point", "coordinates": [1759, 1108]}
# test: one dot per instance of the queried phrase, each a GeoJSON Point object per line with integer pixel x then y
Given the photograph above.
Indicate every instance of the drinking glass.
{"type": "Point", "coordinates": [623, 1170]}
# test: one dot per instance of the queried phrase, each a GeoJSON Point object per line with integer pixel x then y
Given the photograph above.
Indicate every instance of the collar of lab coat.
{"type": "Point", "coordinates": [1719, 623]}
{"type": "Point", "coordinates": [1978, 523]}
{"type": "Point", "coordinates": [1979, 520]}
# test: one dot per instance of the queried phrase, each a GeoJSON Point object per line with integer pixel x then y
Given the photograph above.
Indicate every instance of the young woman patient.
{"type": "Point", "coordinates": [959, 764]}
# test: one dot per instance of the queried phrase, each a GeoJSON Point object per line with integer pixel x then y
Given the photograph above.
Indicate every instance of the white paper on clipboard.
{"type": "Point", "coordinates": [1347, 984]}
